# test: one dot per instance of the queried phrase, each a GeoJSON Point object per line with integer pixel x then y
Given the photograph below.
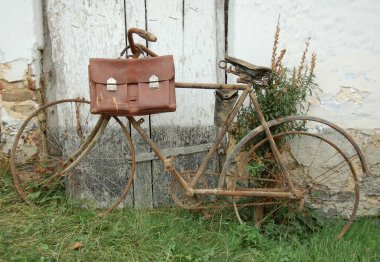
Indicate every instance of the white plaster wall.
{"type": "Point", "coordinates": [21, 39]}
{"type": "Point", "coordinates": [21, 36]}
{"type": "Point", "coordinates": [345, 35]}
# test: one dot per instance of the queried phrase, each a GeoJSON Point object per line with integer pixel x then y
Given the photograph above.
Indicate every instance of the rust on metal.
{"type": "Point", "coordinates": [301, 193]}
{"type": "Point", "coordinates": [189, 181]}
{"type": "Point", "coordinates": [87, 145]}
{"type": "Point", "coordinates": [136, 48]}
{"type": "Point", "coordinates": [247, 72]}
{"type": "Point", "coordinates": [179, 195]}
{"type": "Point", "coordinates": [168, 165]}
{"type": "Point", "coordinates": [220, 135]}
{"type": "Point", "coordinates": [16, 181]}
{"type": "Point", "coordinates": [79, 125]}
{"type": "Point", "coordinates": [132, 174]}
{"type": "Point", "coordinates": [146, 50]}
{"type": "Point", "coordinates": [161, 156]}
{"type": "Point", "coordinates": [272, 144]}
{"type": "Point", "coordinates": [249, 192]}
{"type": "Point", "coordinates": [210, 86]}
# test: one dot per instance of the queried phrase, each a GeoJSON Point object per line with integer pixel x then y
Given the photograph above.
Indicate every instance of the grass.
{"type": "Point", "coordinates": [165, 234]}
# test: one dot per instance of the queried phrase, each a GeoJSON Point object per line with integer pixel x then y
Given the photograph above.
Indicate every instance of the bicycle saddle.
{"type": "Point", "coordinates": [247, 72]}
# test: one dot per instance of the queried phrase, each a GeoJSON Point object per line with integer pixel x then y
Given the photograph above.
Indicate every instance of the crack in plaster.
{"type": "Point", "coordinates": [350, 94]}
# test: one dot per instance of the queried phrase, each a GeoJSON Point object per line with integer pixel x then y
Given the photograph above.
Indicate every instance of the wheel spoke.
{"type": "Point", "coordinates": [62, 128]}
{"type": "Point", "coordinates": [312, 161]}
{"type": "Point", "coordinates": [317, 166]}
{"type": "Point", "coordinates": [282, 206]}
{"type": "Point", "coordinates": [335, 171]}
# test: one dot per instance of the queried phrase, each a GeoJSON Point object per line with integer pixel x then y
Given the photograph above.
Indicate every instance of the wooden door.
{"type": "Point", "coordinates": [193, 31]}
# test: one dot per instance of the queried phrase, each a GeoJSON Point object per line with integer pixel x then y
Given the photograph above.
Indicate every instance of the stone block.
{"type": "Point", "coordinates": [8, 85]}
{"type": "Point", "coordinates": [24, 109]}
{"type": "Point", "coordinates": [17, 95]}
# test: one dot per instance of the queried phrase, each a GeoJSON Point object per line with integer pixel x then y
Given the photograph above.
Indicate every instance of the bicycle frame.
{"type": "Point", "coordinates": [290, 191]}
{"type": "Point", "coordinates": [190, 188]}
{"type": "Point", "coordinates": [169, 167]}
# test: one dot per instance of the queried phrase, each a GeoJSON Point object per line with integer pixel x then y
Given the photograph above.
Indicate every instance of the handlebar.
{"type": "Point", "coordinates": [143, 34]}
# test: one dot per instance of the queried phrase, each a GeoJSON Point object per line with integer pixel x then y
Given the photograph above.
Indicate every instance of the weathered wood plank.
{"type": "Point", "coordinates": [102, 175]}
{"type": "Point", "coordinates": [167, 26]}
{"type": "Point", "coordinates": [189, 33]}
{"type": "Point", "coordinates": [187, 29]}
{"type": "Point", "coordinates": [220, 22]}
{"type": "Point", "coordinates": [175, 151]}
{"type": "Point", "coordinates": [143, 198]}
{"type": "Point", "coordinates": [78, 30]}
{"type": "Point", "coordinates": [178, 136]}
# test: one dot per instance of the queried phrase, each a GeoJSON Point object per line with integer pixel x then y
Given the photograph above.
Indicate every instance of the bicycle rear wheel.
{"type": "Point", "coordinates": [322, 165]}
{"type": "Point", "coordinates": [54, 137]}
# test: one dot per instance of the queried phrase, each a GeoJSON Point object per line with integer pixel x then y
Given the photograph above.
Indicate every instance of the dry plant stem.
{"type": "Point", "coordinates": [302, 62]}
{"type": "Point", "coordinates": [275, 44]}
{"type": "Point", "coordinates": [312, 64]}
{"type": "Point", "coordinates": [294, 73]}
{"type": "Point", "coordinates": [278, 64]}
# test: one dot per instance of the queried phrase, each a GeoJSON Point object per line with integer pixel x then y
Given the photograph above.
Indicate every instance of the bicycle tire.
{"type": "Point", "coordinates": [347, 155]}
{"type": "Point", "coordinates": [51, 139]}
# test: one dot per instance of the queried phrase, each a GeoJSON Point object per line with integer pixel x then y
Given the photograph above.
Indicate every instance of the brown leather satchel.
{"type": "Point", "coordinates": [131, 87]}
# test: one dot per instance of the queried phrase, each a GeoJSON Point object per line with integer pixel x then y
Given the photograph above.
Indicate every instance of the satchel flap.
{"type": "Point", "coordinates": [131, 70]}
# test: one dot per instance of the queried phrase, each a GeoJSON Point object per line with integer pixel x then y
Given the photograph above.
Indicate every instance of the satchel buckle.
{"type": "Point", "coordinates": [153, 82]}
{"type": "Point", "coordinates": [111, 84]}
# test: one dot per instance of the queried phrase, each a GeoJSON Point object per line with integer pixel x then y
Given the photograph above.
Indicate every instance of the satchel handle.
{"type": "Point", "coordinates": [143, 34]}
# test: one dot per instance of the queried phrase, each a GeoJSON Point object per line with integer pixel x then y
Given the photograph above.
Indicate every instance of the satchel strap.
{"type": "Point", "coordinates": [142, 49]}
{"type": "Point", "coordinates": [124, 52]}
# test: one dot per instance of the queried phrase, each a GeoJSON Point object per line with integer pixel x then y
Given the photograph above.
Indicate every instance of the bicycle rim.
{"type": "Point", "coordinates": [56, 134]}
{"type": "Point", "coordinates": [332, 168]}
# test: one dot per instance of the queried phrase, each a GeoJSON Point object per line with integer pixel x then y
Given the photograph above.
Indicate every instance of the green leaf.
{"type": "Point", "coordinates": [7, 179]}
{"type": "Point", "coordinates": [34, 195]}
{"type": "Point", "coordinates": [44, 246]}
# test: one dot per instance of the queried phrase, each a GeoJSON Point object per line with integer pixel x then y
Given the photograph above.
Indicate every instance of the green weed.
{"type": "Point", "coordinates": [167, 234]}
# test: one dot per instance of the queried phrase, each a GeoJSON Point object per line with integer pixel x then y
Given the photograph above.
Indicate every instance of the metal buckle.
{"type": "Point", "coordinates": [111, 85]}
{"type": "Point", "coordinates": [153, 82]}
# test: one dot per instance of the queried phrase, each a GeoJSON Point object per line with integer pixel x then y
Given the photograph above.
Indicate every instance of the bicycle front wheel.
{"type": "Point", "coordinates": [63, 150]}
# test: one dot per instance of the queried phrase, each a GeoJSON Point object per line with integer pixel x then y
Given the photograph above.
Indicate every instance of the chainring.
{"type": "Point", "coordinates": [179, 195]}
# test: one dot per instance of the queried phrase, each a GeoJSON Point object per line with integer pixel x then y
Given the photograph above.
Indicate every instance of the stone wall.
{"type": "Point", "coordinates": [21, 48]}
{"type": "Point", "coordinates": [369, 141]}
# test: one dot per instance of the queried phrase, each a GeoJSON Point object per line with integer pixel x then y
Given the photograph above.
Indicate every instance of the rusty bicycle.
{"type": "Point", "coordinates": [319, 166]}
